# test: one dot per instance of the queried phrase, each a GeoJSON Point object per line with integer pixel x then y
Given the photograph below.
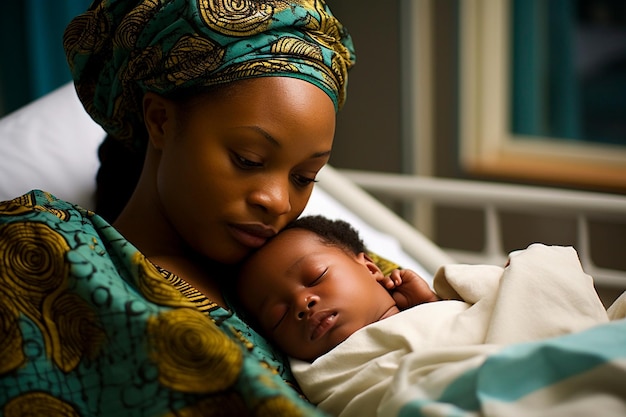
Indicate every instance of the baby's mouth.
{"type": "Point", "coordinates": [320, 323]}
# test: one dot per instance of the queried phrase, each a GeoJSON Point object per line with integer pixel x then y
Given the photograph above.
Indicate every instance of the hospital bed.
{"type": "Point", "coordinates": [51, 144]}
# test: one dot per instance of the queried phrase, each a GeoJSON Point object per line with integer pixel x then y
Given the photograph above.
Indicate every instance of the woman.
{"type": "Point", "coordinates": [231, 107]}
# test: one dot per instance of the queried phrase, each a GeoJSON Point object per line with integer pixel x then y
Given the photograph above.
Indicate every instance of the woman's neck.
{"type": "Point", "coordinates": [144, 225]}
{"type": "Point", "coordinates": [198, 274]}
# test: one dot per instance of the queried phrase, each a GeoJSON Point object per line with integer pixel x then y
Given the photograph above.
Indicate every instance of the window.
{"type": "Point", "coordinates": [543, 91]}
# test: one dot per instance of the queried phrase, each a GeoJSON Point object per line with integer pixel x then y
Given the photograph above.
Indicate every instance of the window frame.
{"type": "Point", "coordinates": [487, 147]}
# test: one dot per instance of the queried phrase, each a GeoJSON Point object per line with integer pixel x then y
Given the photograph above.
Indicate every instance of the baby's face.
{"type": "Point", "coordinates": [308, 296]}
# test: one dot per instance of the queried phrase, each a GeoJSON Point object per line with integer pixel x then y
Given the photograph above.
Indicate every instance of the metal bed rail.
{"type": "Point", "coordinates": [492, 198]}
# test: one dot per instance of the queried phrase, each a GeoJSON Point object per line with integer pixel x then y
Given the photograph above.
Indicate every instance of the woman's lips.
{"type": "Point", "coordinates": [320, 323]}
{"type": "Point", "coordinates": [251, 235]}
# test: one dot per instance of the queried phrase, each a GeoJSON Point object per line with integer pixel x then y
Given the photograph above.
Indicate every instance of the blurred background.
{"type": "Point", "coordinates": [32, 61]}
{"type": "Point", "coordinates": [505, 91]}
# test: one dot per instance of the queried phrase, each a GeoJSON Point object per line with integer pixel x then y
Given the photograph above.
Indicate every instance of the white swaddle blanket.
{"type": "Point", "coordinates": [542, 293]}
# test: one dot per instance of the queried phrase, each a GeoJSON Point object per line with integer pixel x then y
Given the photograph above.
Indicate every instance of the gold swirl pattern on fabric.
{"type": "Point", "coordinates": [87, 33]}
{"type": "Point", "coordinates": [11, 353]}
{"type": "Point", "coordinates": [152, 45]}
{"type": "Point", "coordinates": [192, 294]}
{"type": "Point", "coordinates": [131, 26]}
{"type": "Point", "coordinates": [326, 33]}
{"type": "Point", "coordinates": [78, 331]}
{"type": "Point", "coordinates": [295, 46]}
{"type": "Point", "coordinates": [191, 353]}
{"type": "Point", "coordinates": [192, 57]}
{"type": "Point", "coordinates": [61, 214]}
{"type": "Point", "coordinates": [265, 67]}
{"type": "Point", "coordinates": [255, 69]}
{"type": "Point", "coordinates": [239, 18]}
{"type": "Point", "coordinates": [38, 404]}
{"type": "Point", "coordinates": [33, 273]}
{"type": "Point", "coordinates": [26, 203]}
{"type": "Point", "coordinates": [154, 287]}
{"type": "Point", "coordinates": [33, 264]}
{"type": "Point", "coordinates": [338, 68]}
{"type": "Point", "coordinates": [18, 205]}
{"type": "Point", "coordinates": [143, 65]}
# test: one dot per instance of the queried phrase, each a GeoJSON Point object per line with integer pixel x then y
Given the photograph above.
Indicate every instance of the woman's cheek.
{"type": "Point", "coordinates": [300, 202]}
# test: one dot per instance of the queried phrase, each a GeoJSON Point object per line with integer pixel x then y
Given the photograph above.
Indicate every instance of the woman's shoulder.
{"type": "Point", "coordinates": [41, 204]}
{"type": "Point", "coordinates": [91, 305]}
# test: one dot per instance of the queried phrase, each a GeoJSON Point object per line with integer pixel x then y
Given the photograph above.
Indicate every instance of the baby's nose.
{"type": "Point", "coordinates": [307, 305]}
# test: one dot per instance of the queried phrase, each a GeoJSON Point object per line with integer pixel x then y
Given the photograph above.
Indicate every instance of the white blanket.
{"type": "Point", "coordinates": [415, 357]}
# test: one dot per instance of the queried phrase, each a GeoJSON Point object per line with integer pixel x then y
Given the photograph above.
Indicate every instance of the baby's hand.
{"type": "Point", "coordinates": [407, 288]}
{"type": "Point", "coordinates": [392, 280]}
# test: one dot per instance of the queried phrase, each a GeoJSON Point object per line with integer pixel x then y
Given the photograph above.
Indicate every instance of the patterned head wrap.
{"type": "Point", "coordinates": [119, 49]}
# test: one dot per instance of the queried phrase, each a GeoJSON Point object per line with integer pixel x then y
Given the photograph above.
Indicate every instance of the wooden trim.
{"type": "Point", "coordinates": [551, 171]}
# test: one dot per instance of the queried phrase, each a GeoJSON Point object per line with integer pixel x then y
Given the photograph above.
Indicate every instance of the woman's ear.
{"type": "Point", "coordinates": [377, 274]}
{"type": "Point", "coordinates": [158, 115]}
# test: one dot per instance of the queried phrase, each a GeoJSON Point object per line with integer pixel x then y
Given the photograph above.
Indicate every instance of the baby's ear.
{"type": "Point", "coordinates": [371, 266]}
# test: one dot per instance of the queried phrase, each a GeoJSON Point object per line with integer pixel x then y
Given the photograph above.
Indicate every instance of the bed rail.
{"type": "Point", "coordinates": [492, 198]}
{"type": "Point", "coordinates": [377, 215]}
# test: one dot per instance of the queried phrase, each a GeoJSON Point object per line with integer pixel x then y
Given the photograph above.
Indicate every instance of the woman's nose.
{"type": "Point", "coordinates": [305, 305]}
{"type": "Point", "coordinates": [273, 196]}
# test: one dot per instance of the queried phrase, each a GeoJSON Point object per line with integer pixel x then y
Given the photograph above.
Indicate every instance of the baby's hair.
{"type": "Point", "coordinates": [337, 233]}
{"type": "Point", "coordinates": [332, 232]}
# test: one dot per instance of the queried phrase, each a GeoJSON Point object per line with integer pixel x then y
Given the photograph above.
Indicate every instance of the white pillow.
{"type": "Point", "coordinates": [50, 144]}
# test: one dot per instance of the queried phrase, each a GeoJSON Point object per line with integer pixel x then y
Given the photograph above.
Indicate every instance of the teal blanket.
{"type": "Point", "coordinates": [581, 374]}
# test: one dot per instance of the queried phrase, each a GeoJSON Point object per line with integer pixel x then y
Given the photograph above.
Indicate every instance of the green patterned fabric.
{"type": "Point", "coordinates": [89, 327]}
{"type": "Point", "coordinates": [119, 49]}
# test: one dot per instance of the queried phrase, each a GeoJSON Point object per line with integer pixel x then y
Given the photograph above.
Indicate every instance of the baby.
{"type": "Point", "coordinates": [314, 285]}
{"type": "Point", "coordinates": [315, 292]}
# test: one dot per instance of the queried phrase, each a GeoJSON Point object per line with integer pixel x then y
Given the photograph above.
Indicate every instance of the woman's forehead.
{"type": "Point", "coordinates": [274, 110]}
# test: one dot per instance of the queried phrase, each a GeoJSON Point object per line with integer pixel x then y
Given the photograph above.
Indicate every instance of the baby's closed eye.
{"type": "Point", "coordinates": [275, 315]}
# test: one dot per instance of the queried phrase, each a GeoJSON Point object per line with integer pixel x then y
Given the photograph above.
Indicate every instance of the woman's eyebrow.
{"type": "Point", "coordinates": [271, 139]}
{"type": "Point", "coordinates": [321, 154]}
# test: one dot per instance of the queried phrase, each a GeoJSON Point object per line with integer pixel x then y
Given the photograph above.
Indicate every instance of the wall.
{"type": "Point", "coordinates": [368, 127]}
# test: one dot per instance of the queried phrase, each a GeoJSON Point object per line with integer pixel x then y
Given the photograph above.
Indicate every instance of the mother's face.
{"type": "Point", "coordinates": [235, 168]}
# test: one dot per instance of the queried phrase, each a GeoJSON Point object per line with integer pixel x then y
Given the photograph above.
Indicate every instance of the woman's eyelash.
{"type": "Point", "coordinates": [245, 163]}
{"type": "Point", "coordinates": [303, 181]}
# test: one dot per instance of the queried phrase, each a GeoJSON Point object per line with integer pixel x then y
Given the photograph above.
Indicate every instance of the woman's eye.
{"type": "Point", "coordinates": [245, 163]}
{"type": "Point", "coordinates": [303, 181]}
